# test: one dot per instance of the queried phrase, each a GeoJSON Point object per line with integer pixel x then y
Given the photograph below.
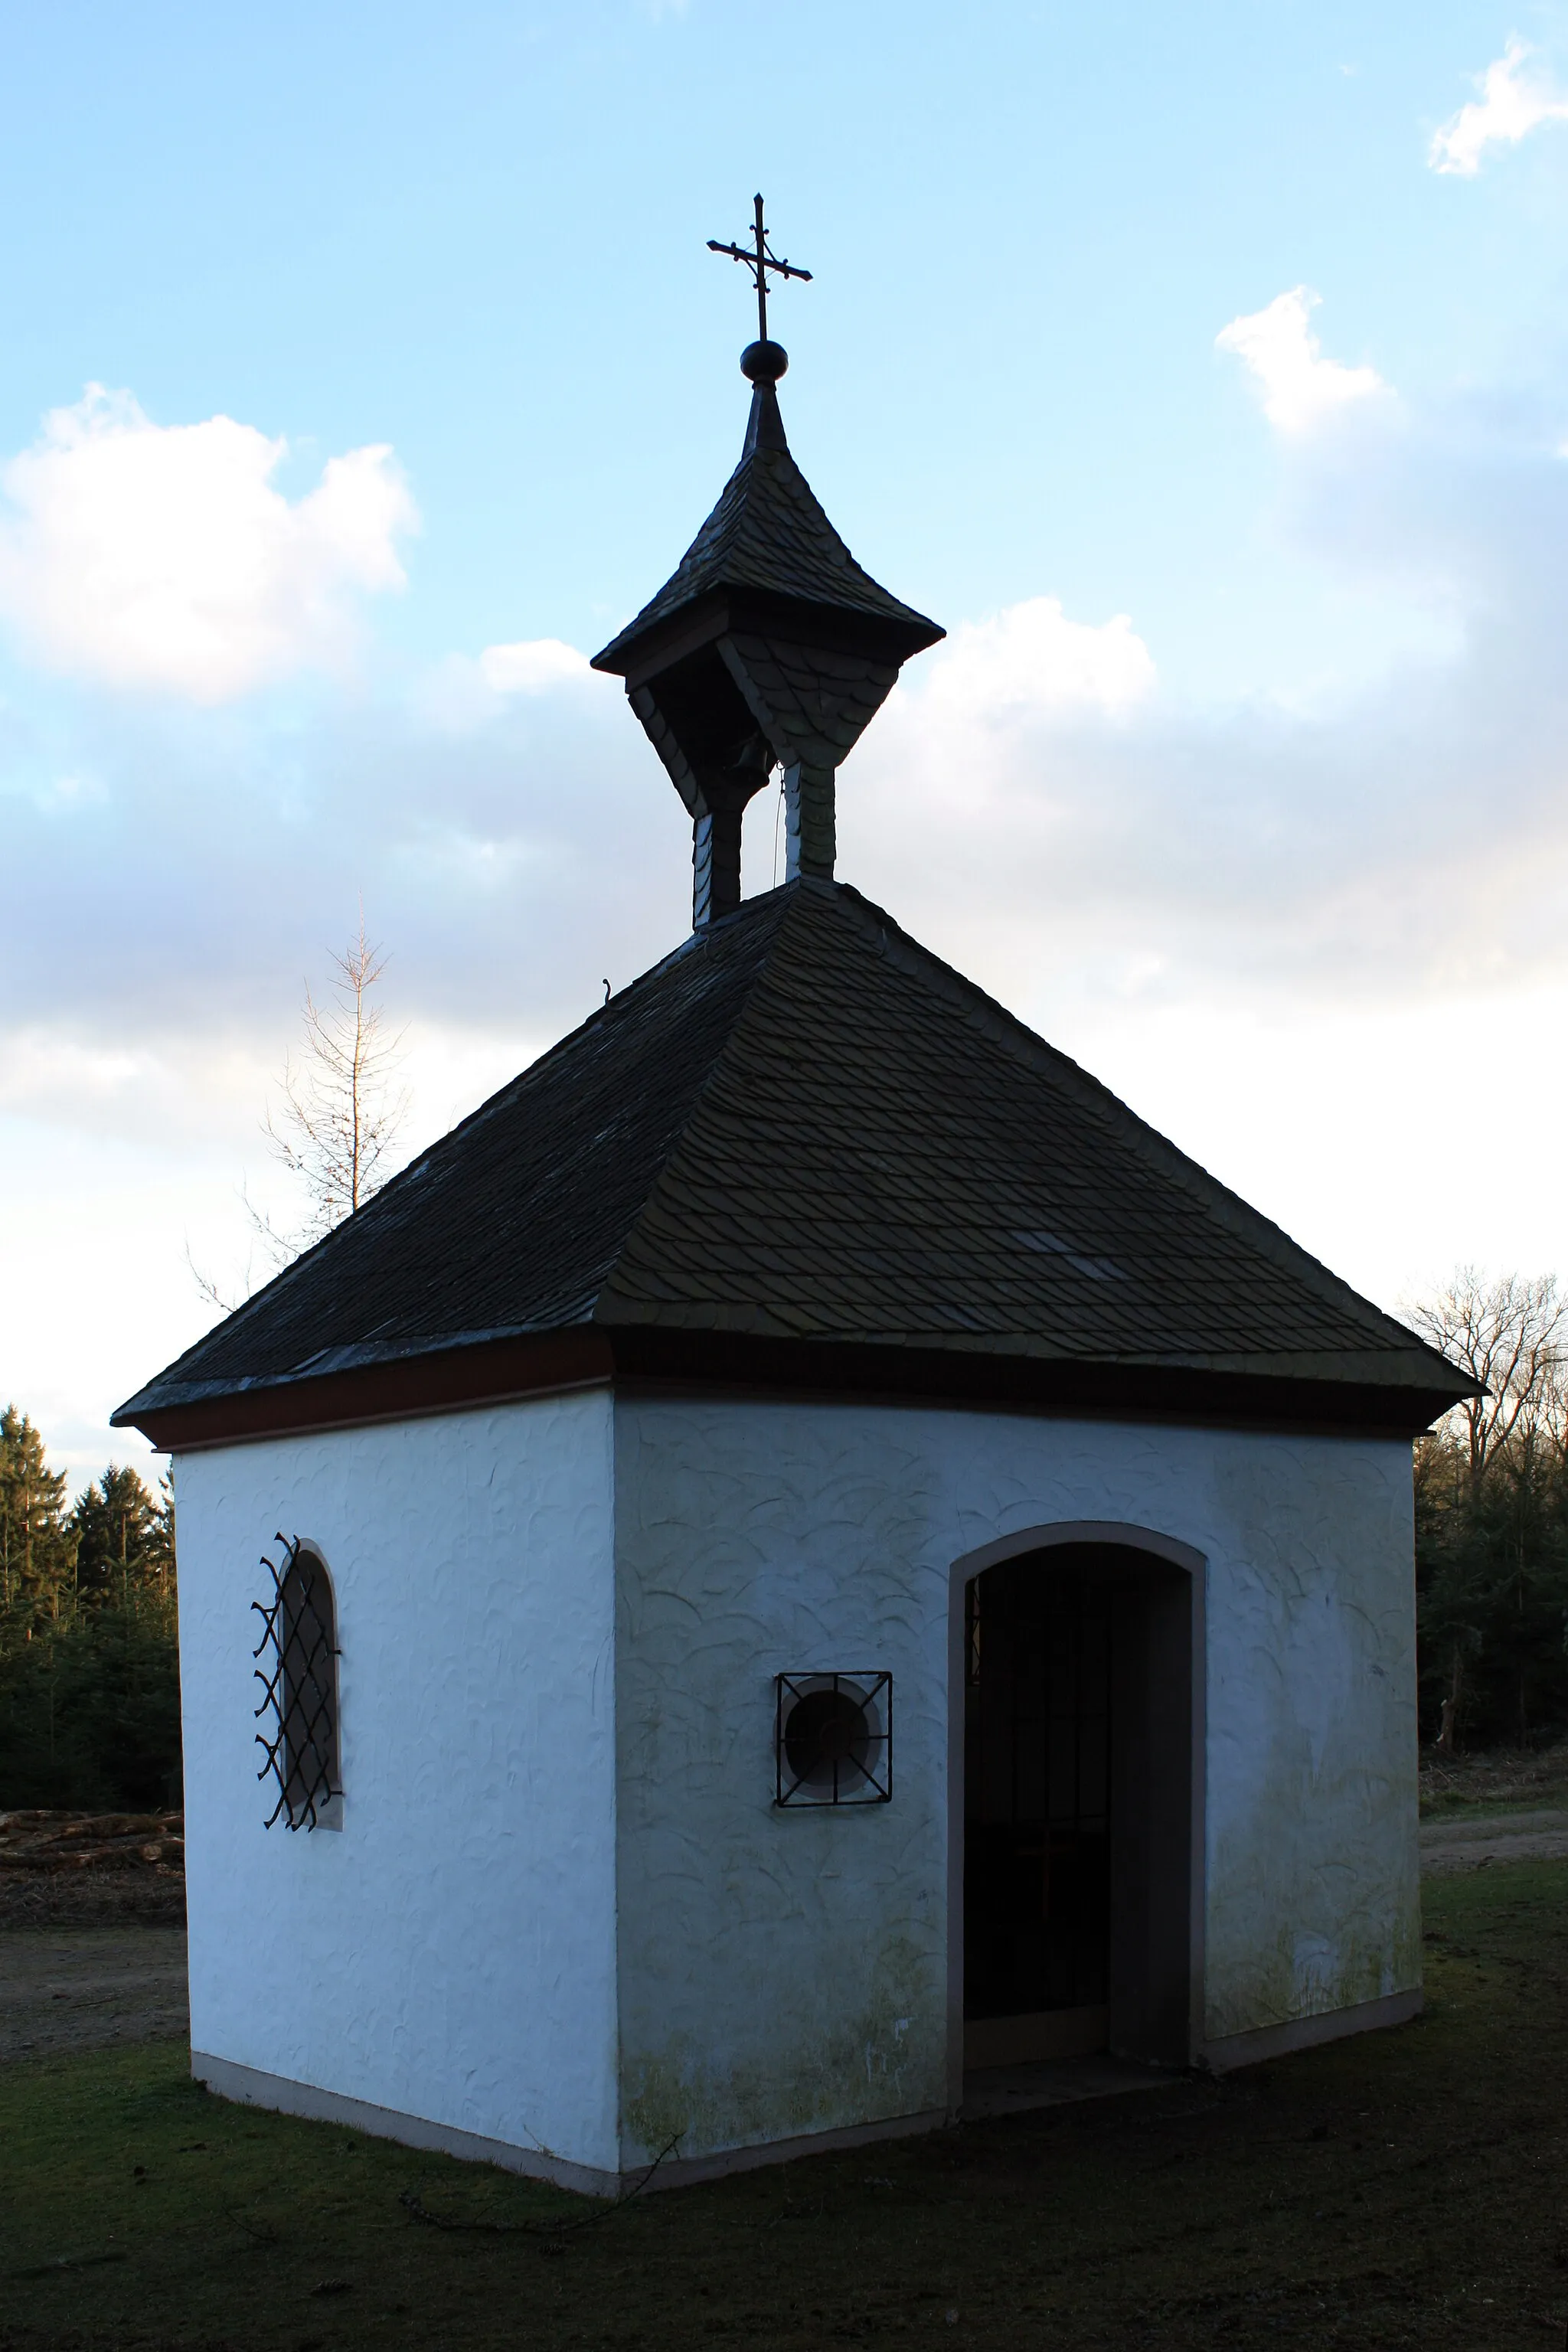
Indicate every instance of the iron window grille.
{"type": "Point", "coordinates": [298, 1677]}
{"type": "Point", "coordinates": [833, 1740]}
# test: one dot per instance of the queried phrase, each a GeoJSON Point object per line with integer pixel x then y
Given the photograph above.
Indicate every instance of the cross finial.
{"type": "Point", "coordinates": [759, 261]}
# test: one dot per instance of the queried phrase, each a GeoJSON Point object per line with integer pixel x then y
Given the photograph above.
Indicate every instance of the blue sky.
{"type": "Point", "coordinates": [1204, 371]}
{"type": "Point", "coordinates": [478, 234]}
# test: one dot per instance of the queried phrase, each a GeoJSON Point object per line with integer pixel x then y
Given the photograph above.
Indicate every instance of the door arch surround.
{"type": "Point", "coordinates": [1178, 2041]}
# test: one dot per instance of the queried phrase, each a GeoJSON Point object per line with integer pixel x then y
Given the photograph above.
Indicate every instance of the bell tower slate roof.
{"type": "Point", "coordinates": [804, 1152]}
{"type": "Point", "coordinates": [769, 535]}
{"type": "Point", "coordinates": [768, 646]}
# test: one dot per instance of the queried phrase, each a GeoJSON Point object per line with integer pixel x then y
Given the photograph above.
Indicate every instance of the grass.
{"type": "Point", "coordinates": [1407, 2189]}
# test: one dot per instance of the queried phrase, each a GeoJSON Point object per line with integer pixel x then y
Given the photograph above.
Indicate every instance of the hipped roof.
{"type": "Point", "coordinates": [805, 1140]}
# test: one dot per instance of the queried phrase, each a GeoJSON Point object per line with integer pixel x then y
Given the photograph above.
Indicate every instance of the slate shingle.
{"type": "Point", "coordinates": [769, 533]}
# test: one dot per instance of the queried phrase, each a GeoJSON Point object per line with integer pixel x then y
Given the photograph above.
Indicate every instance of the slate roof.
{"type": "Point", "coordinates": [769, 533]}
{"type": "Point", "coordinates": [803, 1126]}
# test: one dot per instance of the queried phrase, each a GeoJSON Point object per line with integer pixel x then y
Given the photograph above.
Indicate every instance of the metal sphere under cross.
{"type": "Point", "coordinates": [759, 261]}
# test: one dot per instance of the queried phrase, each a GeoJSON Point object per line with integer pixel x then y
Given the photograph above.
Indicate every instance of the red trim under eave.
{"type": "Point", "coordinates": [486, 1374]}
{"type": "Point", "coordinates": [553, 1363]}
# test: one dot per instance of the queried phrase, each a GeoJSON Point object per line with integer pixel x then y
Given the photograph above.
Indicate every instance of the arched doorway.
{"type": "Point", "coordinates": [1077, 1747]}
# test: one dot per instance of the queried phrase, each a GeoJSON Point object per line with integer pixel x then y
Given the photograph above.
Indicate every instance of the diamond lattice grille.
{"type": "Point", "coordinates": [297, 1671]}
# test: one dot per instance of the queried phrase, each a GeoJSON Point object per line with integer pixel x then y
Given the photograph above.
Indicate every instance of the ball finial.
{"type": "Point", "coordinates": [763, 362]}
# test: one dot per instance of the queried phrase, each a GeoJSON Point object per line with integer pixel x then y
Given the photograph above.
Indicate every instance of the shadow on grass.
{"type": "Point", "coordinates": [1403, 2188]}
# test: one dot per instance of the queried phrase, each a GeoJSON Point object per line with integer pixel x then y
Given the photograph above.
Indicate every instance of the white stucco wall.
{"type": "Point", "coordinates": [787, 1973]}
{"type": "Point", "coordinates": [448, 1953]}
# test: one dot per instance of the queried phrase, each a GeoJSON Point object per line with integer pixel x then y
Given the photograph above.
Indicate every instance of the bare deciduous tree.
{"type": "Point", "coordinates": [341, 1113]}
{"type": "Point", "coordinates": [1511, 1336]}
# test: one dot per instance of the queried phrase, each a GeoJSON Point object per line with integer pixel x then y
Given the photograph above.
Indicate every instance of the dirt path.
{"type": "Point", "coordinates": [77, 1989]}
{"type": "Point", "coordinates": [1536, 1833]}
{"type": "Point", "coordinates": [64, 1987]}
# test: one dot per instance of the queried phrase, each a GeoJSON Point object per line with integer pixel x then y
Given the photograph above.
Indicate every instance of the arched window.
{"type": "Point", "coordinates": [298, 1676]}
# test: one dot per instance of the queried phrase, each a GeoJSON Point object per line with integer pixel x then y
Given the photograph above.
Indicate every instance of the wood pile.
{"type": "Point", "coordinates": [52, 1842]}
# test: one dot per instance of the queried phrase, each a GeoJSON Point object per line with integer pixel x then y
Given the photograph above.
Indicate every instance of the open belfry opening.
{"type": "Point", "coordinates": [816, 1575]}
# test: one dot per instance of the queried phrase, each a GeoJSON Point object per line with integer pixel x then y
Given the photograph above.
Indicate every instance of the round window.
{"type": "Point", "coordinates": [829, 1736]}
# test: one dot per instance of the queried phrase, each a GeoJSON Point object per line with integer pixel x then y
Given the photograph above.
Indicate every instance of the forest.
{"type": "Point", "coordinates": [90, 1707]}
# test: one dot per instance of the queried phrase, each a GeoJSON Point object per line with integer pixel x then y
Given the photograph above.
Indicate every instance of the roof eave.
{"type": "Point", "coordinates": [643, 648]}
{"type": "Point", "coordinates": [364, 1385]}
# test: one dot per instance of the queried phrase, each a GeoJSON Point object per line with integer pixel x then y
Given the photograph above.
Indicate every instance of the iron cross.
{"type": "Point", "coordinates": [759, 261]}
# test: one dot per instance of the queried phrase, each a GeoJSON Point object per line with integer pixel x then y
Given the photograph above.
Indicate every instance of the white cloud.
{"type": "Point", "coordinates": [460, 696]}
{"type": "Point", "coordinates": [40, 1066]}
{"type": "Point", "coordinates": [1030, 658]}
{"type": "Point", "coordinates": [163, 557]}
{"type": "Point", "coordinates": [1403, 839]}
{"type": "Point", "coordinates": [533, 666]}
{"type": "Point", "coordinates": [980, 751]}
{"type": "Point", "coordinates": [1514, 102]}
{"type": "Point", "coordinates": [1300, 387]}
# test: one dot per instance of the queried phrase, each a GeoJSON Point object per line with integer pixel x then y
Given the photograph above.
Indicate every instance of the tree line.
{"type": "Point", "coordinates": [89, 1706]}
{"type": "Point", "coordinates": [1491, 1519]}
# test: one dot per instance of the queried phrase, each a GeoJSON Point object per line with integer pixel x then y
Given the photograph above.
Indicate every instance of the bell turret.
{"type": "Point", "coordinates": [769, 646]}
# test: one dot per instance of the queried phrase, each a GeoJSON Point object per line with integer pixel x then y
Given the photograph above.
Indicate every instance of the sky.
{"type": "Point", "coordinates": [1204, 371]}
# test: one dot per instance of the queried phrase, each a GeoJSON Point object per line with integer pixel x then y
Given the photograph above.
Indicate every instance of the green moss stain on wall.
{"type": "Point", "coordinates": [888, 2058]}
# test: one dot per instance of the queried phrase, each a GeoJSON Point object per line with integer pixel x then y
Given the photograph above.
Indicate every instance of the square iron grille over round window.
{"type": "Point", "coordinates": [299, 1677]}
{"type": "Point", "coordinates": [833, 1740]}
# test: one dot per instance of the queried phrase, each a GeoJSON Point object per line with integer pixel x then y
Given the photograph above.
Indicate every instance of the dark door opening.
{"type": "Point", "coordinates": [1036, 1879]}
{"type": "Point", "coordinates": [1077, 1797]}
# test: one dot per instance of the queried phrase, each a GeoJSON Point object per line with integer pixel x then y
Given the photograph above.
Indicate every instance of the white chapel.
{"type": "Point", "coordinates": [803, 1564]}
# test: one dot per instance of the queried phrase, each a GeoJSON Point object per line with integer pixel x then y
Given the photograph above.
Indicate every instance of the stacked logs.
{"type": "Point", "coordinates": [52, 1842]}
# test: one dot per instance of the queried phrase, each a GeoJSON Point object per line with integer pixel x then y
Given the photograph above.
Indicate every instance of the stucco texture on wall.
{"type": "Point", "coordinates": [1313, 1868]}
{"type": "Point", "coordinates": [786, 1973]}
{"type": "Point", "coordinates": [448, 1953]}
{"type": "Point", "coordinates": [781, 1972]}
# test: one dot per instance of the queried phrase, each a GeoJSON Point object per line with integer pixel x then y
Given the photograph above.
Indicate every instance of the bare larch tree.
{"type": "Point", "coordinates": [339, 1116]}
{"type": "Point", "coordinates": [342, 1110]}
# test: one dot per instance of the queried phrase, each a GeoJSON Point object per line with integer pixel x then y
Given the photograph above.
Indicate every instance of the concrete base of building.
{"type": "Point", "coordinates": [1263, 2042]}
{"type": "Point", "coordinates": [998, 2091]}
{"type": "Point", "coordinates": [252, 2087]}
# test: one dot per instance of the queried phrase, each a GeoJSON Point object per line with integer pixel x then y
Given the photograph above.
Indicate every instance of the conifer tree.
{"type": "Point", "coordinates": [37, 1551]}
{"type": "Point", "coordinates": [89, 1709]}
{"type": "Point", "coordinates": [124, 1538]}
